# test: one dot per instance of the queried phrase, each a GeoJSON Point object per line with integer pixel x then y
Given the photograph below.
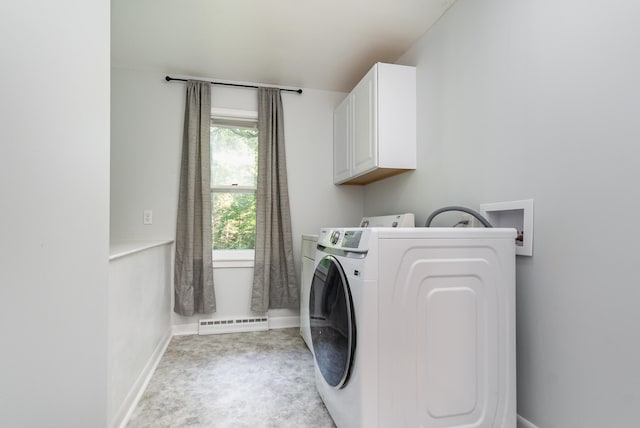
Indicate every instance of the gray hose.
{"type": "Point", "coordinates": [476, 214]}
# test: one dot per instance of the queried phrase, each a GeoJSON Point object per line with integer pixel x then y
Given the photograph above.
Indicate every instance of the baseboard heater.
{"type": "Point", "coordinates": [233, 325]}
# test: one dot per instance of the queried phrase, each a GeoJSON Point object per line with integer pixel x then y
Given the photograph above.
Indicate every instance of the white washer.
{"type": "Point", "coordinates": [308, 255]}
{"type": "Point", "coordinates": [306, 275]}
{"type": "Point", "coordinates": [415, 327]}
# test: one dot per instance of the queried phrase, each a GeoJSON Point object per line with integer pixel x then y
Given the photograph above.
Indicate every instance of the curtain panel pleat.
{"type": "Point", "coordinates": [194, 292]}
{"type": "Point", "coordinates": [274, 279]}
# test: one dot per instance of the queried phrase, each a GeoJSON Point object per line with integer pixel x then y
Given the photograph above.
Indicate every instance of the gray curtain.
{"type": "Point", "coordinates": [193, 267]}
{"type": "Point", "coordinates": [274, 279]}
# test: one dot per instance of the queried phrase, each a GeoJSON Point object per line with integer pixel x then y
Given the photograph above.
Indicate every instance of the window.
{"type": "Point", "coordinates": [234, 168]}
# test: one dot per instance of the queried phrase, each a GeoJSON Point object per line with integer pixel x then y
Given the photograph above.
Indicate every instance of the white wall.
{"type": "Point", "coordinates": [540, 99]}
{"type": "Point", "coordinates": [54, 228]}
{"type": "Point", "coordinates": [147, 117]}
{"type": "Point", "coordinates": [139, 324]}
{"type": "Point", "coordinates": [146, 130]}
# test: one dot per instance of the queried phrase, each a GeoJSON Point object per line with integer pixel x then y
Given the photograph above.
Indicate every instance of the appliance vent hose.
{"type": "Point", "coordinates": [476, 214]}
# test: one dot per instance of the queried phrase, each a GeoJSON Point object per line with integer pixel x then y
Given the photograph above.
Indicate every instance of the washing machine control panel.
{"type": "Point", "coordinates": [352, 238]}
{"type": "Point", "coordinates": [346, 239]}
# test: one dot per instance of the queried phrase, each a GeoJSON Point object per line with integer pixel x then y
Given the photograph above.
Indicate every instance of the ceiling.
{"type": "Point", "coordinates": [327, 44]}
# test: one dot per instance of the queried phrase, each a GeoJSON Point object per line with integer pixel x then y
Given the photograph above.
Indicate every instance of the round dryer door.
{"type": "Point", "coordinates": [332, 321]}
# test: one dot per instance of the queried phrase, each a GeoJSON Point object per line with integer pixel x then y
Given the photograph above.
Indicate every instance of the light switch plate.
{"type": "Point", "coordinates": [147, 217]}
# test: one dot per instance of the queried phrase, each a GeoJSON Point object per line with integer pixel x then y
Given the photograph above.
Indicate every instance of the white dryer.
{"type": "Point", "coordinates": [415, 327]}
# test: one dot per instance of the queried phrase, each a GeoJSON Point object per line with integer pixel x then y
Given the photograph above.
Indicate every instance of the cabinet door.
{"type": "Point", "coordinates": [342, 141]}
{"type": "Point", "coordinates": [363, 103]}
{"type": "Point", "coordinates": [396, 121]}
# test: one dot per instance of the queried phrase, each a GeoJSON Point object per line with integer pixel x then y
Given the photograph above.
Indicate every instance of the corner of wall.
{"type": "Point", "coordinates": [523, 423]}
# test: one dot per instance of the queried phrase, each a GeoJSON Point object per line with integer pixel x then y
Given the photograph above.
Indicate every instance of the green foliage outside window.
{"type": "Point", "coordinates": [234, 166]}
{"type": "Point", "coordinates": [234, 221]}
{"type": "Point", "coordinates": [234, 156]}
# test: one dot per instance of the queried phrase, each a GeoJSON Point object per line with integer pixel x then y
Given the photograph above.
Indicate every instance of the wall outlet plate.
{"type": "Point", "coordinates": [515, 214]}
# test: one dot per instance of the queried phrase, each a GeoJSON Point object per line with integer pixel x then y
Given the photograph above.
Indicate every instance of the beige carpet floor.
{"type": "Point", "coordinates": [258, 379]}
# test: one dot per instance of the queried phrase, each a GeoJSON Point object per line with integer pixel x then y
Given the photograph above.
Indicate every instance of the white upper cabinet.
{"type": "Point", "coordinates": [341, 137]}
{"type": "Point", "coordinates": [363, 101]}
{"type": "Point", "coordinates": [375, 126]}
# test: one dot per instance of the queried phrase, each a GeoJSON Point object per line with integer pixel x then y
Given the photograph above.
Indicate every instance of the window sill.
{"type": "Point", "coordinates": [233, 259]}
{"type": "Point", "coordinates": [225, 264]}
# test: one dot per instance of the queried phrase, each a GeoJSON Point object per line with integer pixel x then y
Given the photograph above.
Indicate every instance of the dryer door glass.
{"type": "Point", "coordinates": [331, 317]}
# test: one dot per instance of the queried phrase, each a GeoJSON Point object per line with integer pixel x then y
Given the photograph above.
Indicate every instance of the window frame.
{"type": "Point", "coordinates": [233, 258]}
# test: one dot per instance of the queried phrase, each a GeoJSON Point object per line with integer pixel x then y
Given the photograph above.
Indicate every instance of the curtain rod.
{"type": "Point", "coordinates": [169, 79]}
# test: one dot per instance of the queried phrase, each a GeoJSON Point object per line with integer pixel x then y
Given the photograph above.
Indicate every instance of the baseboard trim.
{"type": "Point", "coordinates": [284, 322]}
{"type": "Point", "coordinates": [523, 423]}
{"type": "Point", "coordinates": [184, 329]}
{"type": "Point", "coordinates": [274, 323]}
{"type": "Point", "coordinates": [140, 385]}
